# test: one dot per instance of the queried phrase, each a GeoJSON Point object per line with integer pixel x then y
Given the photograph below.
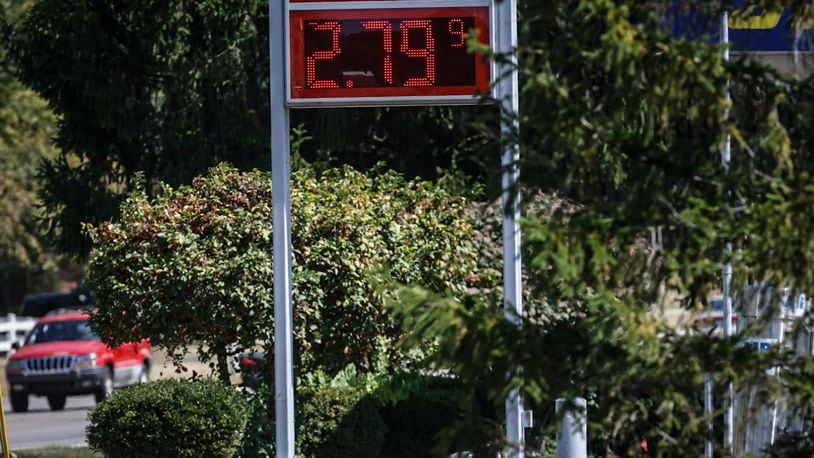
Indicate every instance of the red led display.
{"type": "Point", "coordinates": [386, 53]}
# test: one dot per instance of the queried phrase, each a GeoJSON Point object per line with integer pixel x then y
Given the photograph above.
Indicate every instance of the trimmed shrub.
{"type": "Point", "coordinates": [169, 418]}
{"type": "Point", "coordinates": [424, 407]}
{"type": "Point", "coordinates": [425, 416]}
{"type": "Point", "coordinates": [331, 422]}
{"type": "Point", "coordinates": [259, 439]}
{"type": "Point", "coordinates": [338, 423]}
{"type": "Point", "coordinates": [194, 264]}
{"type": "Point", "coordinates": [405, 416]}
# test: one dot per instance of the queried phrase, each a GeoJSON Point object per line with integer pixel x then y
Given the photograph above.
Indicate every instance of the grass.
{"type": "Point", "coordinates": [57, 452]}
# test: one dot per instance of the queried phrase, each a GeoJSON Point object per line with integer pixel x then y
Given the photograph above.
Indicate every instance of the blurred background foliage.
{"type": "Point", "coordinates": [622, 126]}
{"type": "Point", "coordinates": [193, 267]}
{"type": "Point", "coordinates": [171, 88]}
{"type": "Point", "coordinates": [28, 260]}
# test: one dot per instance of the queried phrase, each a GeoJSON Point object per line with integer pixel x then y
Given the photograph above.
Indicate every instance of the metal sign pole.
{"type": "Point", "coordinates": [708, 381]}
{"type": "Point", "coordinates": [281, 204]}
{"type": "Point", "coordinates": [729, 418]}
{"type": "Point", "coordinates": [507, 94]}
{"type": "Point", "coordinates": [6, 452]}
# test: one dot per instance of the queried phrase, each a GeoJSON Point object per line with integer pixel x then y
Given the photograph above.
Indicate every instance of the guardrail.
{"type": "Point", "coordinates": [13, 328]}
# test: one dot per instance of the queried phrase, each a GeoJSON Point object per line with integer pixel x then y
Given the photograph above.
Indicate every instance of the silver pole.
{"type": "Point", "coordinates": [281, 204]}
{"type": "Point", "coordinates": [708, 411]}
{"type": "Point", "coordinates": [572, 435]}
{"type": "Point", "coordinates": [729, 418]}
{"type": "Point", "coordinates": [507, 93]}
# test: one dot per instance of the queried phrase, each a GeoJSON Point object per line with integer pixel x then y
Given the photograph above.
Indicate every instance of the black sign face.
{"type": "Point", "coordinates": [387, 53]}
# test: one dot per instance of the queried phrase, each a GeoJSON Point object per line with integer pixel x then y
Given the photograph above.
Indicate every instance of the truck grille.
{"type": "Point", "coordinates": [50, 364]}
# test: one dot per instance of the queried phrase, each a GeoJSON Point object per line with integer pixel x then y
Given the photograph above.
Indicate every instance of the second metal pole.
{"type": "Point", "coordinates": [708, 449]}
{"type": "Point", "coordinates": [572, 435]}
{"type": "Point", "coordinates": [507, 94]}
{"type": "Point", "coordinates": [729, 416]}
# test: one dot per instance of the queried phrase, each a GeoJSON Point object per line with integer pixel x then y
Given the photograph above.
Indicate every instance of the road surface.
{"type": "Point", "coordinates": [39, 427]}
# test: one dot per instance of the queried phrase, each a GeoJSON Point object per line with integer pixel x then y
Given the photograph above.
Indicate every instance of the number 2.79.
{"type": "Point", "coordinates": [455, 27]}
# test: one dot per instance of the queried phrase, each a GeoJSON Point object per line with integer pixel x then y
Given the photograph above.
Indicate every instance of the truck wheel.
{"type": "Point", "coordinates": [56, 401]}
{"type": "Point", "coordinates": [144, 376]}
{"type": "Point", "coordinates": [106, 388]}
{"type": "Point", "coordinates": [19, 402]}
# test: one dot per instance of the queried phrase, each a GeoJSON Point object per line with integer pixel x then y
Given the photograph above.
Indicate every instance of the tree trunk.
{"type": "Point", "coordinates": [223, 363]}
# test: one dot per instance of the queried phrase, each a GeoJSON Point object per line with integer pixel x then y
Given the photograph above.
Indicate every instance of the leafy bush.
{"type": "Point", "coordinates": [394, 416]}
{"type": "Point", "coordinates": [258, 438]}
{"type": "Point", "coordinates": [195, 263]}
{"type": "Point", "coordinates": [423, 416]}
{"type": "Point", "coordinates": [792, 444]}
{"type": "Point", "coordinates": [426, 407]}
{"type": "Point", "coordinates": [331, 421]}
{"type": "Point", "coordinates": [339, 422]}
{"type": "Point", "coordinates": [170, 418]}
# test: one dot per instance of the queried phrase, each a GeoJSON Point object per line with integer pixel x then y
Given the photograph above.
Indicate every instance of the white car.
{"type": "Point", "coordinates": [712, 319]}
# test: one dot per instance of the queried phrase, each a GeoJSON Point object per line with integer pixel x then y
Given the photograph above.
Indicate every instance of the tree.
{"type": "Point", "coordinates": [26, 129]}
{"type": "Point", "coordinates": [162, 88]}
{"type": "Point", "coordinates": [194, 265]}
{"type": "Point", "coordinates": [623, 122]}
{"type": "Point", "coordinates": [171, 88]}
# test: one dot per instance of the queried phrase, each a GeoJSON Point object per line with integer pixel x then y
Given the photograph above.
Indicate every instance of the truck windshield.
{"type": "Point", "coordinates": [717, 305]}
{"type": "Point", "coordinates": [60, 330]}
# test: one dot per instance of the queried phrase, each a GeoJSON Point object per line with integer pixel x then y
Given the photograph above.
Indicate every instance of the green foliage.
{"type": "Point", "coordinates": [259, 436]}
{"type": "Point", "coordinates": [402, 415]}
{"type": "Point", "coordinates": [455, 145]}
{"type": "Point", "coordinates": [167, 88]}
{"type": "Point", "coordinates": [177, 418]}
{"type": "Point", "coordinates": [331, 421]}
{"type": "Point", "coordinates": [622, 124]}
{"type": "Point", "coordinates": [339, 422]}
{"type": "Point", "coordinates": [346, 226]}
{"type": "Point", "coordinates": [27, 127]}
{"type": "Point", "coordinates": [171, 88]}
{"type": "Point", "coordinates": [417, 410]}
{"type": "Point", "coordinates": [194, 265]}
{"type": "Point", "coordinates": [791, 444]}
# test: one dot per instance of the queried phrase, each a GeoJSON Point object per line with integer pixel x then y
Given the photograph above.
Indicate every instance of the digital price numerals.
{"type": "Point", "coordinates": [388, 52]}
{"type": "Point", "coordinates": [373, 56]}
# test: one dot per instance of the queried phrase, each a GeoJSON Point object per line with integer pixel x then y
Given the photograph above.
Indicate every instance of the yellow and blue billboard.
{"type": "Point", "coordinates": [769, 31]}
{"type": "Point", "coordinates": [766, 31]}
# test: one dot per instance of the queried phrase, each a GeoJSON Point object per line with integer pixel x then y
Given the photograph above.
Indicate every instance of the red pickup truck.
{"type": "Point", "coordinates": [61, 356]}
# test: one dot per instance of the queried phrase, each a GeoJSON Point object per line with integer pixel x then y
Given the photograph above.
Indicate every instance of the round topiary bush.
{"type": "Point", "coordinates": [169, 418]}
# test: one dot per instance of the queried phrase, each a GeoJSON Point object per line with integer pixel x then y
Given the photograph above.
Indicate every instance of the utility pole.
{"type": "Point", "coordinates": [281, 204]}
{"type": "Point", "coordinates": [729, 418]}
{"type": "Point", "coordinates": [507, 94]}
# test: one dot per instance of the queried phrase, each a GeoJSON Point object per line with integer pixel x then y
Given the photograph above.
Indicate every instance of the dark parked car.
{"type": "Point", "coordinates": [38, 305]}
{"type": "Point", "coordinates": [252, 368]}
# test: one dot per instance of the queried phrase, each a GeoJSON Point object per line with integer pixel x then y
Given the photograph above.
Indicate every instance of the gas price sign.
{"type": "Point", "coordinates": [385, 56]}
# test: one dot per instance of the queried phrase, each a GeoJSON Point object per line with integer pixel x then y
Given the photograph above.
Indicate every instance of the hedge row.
{"type": "Point", "coordinates": [401, 419]}
{"type": "Point", "coordinates": [181, 418]}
